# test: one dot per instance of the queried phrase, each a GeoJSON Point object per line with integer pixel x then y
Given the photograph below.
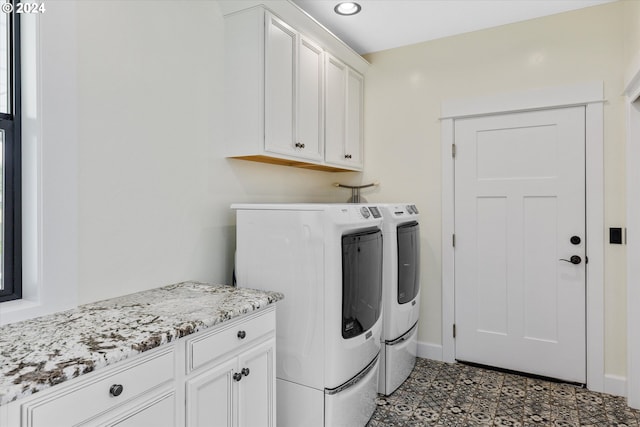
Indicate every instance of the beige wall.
{"type": "Point", "coordinates": [404, 91]}
{"type": "Point", "coordinates": [632, 30]}
{"type": "Point", "coordinates": [154, 190]}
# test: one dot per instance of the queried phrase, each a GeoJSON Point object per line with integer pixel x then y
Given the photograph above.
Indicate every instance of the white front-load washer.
{"type": "Point", "coordinates": [327, 261]}
{"type": "Point", "coordinates": [401, 294]}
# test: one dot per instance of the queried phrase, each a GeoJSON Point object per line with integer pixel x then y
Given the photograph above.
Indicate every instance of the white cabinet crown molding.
{"type": "Point", "coordinates": [302, 21]}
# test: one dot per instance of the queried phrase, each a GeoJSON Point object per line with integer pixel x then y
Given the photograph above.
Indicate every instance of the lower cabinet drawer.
{"type": "Point", "coordinates": [66, 406]}
{"type": "Point", "coordinates": [209, 346]}
{"type": "Point", "coordinates": [153, 409]}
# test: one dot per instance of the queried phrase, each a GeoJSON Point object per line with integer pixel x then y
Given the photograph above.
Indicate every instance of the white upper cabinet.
{"type": "Point", "coordinates": [344, 118]}
{"type": "Point", "coordinates": [293, 92]}
{"type": "Point", "coordinates": [310, 98]}
{"type": "Point", "coordinates": [278, 108]}
{"type": "Point", "coordinates": [354, 141]}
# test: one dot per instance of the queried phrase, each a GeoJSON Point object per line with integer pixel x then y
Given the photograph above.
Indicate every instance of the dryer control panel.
{"type": "Point", "coordinates": [399, 211]}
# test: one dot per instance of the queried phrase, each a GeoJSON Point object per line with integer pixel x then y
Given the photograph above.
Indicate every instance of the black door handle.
{"type": "Point", "coordinates": [575, 259]}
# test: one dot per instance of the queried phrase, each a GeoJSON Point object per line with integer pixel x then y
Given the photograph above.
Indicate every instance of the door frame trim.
{"type": "Point", "coordinates": [632, 96]}
{"type": "Point", "coordinates": [589, 95]}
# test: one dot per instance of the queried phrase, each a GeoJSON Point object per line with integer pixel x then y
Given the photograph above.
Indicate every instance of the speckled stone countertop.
{"type": "Point", "coordinates": [39, 353]}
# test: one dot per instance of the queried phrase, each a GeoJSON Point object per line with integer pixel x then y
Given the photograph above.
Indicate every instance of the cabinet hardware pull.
{"type": "Point", "coordinates": [237, 376]}
{"type": "Point", "coordinates": [116, 390]}
{"type": "Point", "coordinates": [299, 145]}
{"type": "Point", "coordinates": [242, 334]}
{"type": "Point", "coordinates": [347, 156]}
{"type": "Point", "coordinates": [245, 372]}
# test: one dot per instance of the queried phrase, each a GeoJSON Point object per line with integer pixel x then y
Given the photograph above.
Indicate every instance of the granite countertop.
{"type": "Point", "coordinates": [39, 353]}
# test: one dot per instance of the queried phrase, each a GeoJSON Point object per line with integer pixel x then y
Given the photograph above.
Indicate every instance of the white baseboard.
{"type": "Point", "coordinates": [431, 351]}
{"type": "Point", "coordinates": [615, 385]}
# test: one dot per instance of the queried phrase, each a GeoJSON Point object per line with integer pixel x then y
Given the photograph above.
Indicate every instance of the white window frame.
{"type": "Point", "coordinates": [50, 164]}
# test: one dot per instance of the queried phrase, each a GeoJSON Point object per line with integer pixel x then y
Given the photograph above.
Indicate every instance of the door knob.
{"type": "Point", "coordinates": [575, 259]}
{"type": "Point", "coordinates": [575, 240]}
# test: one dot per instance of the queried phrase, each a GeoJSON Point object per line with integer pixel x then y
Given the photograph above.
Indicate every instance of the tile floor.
{"type": "Point", "coordinates": [444, 394]}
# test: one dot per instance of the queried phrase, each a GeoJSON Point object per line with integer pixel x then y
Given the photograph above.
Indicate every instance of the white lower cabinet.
{"type": "Point", "coordinates": [223, 376]}
{"type": "Point", "coordinates": [159, 410]}
{"type": "Point", "coordinates": [94, 398]}
{"type": "Point", "coordinates": [239, 392]}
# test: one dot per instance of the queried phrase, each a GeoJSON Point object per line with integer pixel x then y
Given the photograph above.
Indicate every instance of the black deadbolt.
{"type": "Point", "coordinates": [575, 240]}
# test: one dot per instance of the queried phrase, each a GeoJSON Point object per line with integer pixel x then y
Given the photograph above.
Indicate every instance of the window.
{"type": "Point", "coordinates": [10, 159]}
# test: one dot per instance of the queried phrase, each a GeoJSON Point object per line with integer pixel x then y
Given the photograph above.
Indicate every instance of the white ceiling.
{"type": "Point", "coordinates": [385, 24]}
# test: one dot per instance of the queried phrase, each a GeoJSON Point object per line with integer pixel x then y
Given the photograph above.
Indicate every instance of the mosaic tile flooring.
{"type": "Point", "coordinates": [444, 394]}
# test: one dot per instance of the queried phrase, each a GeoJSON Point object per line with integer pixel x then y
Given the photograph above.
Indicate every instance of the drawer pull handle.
{"type": "Point", "coordinates": [116, 390]}
{"type": "Point", "coordinates": [242, 334]}
{"type": "Point", "coordinates": [245, 372]}
{"type": "Point", "coordinates": [237, 376]}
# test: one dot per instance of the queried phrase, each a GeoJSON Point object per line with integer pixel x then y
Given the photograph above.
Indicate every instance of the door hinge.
{"type": "Point", "coordinates": [453, 240]}
{"type": "Point", "coordinates": [454, 330]}
{"type": "Point", "coordinates": [453, 150]}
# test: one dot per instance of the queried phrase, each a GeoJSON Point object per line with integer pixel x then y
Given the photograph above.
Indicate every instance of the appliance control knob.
{"type": "Point", "coordinates": [415, 209]}
{"type": "Point", "coordinates": [365, 212]}
{"type": "Point", "coordinates": [409, 209]}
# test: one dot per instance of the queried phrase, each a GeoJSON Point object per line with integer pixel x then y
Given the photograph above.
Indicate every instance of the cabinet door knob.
{"type": "Point", "coordinates": [245, 372]}
{"type": "Point", "coordinates": [237, 376]}
{"type": "Point", "coordinates": [347, 156]}
{"type": "Point", "coordinates": [116, 390]}
{"type": "Point", "coordinates": [242, 334]}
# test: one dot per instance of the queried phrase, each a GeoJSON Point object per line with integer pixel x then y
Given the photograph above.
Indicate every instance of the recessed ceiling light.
{"type": "Point", "coordinates": [347, 8]}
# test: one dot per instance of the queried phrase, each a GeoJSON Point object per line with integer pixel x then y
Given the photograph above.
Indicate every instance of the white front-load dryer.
{"type": "Point", "coordinates": [327, 261]}
{"type": "Point", "coordinates": [401, 294]}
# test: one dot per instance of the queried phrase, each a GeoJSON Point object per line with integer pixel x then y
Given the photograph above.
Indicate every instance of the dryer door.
{"type": "Point", "coordinates": [408, 261]}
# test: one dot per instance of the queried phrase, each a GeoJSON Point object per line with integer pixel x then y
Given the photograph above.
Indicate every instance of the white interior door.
{"type": "Point", "coordinates": [519, 211]}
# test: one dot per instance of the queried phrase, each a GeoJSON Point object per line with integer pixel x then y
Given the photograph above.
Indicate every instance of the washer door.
{"type": "Point", "coordinates": [361, 281]}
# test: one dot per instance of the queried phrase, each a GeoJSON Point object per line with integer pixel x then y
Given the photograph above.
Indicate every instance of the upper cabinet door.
{"type": "Point", "coordinates": [344, 115]}
{"type": "Point", "coordinates": [335, 110]}
{"type": "Point", "coordinates": [280, 80]}
{"type": "Point", "coordinates": [309, 120]}
{"type": "Point", "coordinates": [354, 141]}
